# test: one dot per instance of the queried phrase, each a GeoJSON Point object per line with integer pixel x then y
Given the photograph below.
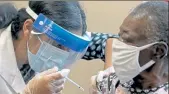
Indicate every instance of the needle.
{"type": "Point", "coordinates": [64, 73]}
{"type": "Point", "coordinates": [74, 83]}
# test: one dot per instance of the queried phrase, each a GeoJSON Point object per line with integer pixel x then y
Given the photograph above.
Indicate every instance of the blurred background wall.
{"type": "Point", "coordinates": [102, 16]}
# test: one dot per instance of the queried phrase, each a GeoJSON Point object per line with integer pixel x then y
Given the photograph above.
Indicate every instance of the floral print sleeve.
{"type": "Point", "coordinates": [96, 48]}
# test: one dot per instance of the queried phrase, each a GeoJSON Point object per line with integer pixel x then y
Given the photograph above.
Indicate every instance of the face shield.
{"type": "Point", "coordinates": [58, 47]}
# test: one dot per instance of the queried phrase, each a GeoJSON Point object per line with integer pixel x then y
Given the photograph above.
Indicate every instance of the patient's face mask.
{"type": "Point", "coordinates": [125, 59]}
{"type": "Point", "coordinates": [49, 53]}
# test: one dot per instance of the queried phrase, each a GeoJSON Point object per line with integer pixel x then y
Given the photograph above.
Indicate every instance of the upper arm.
{"type": "Point", "coordinates": [96, 49]}
{"type": "Point", "coordinates": [108, 53]}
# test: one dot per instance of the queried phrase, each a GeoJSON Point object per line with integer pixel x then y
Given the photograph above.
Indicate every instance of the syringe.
{"type": "Point", "coordinates": [64, 74]}
{"type": "Point", "coordinates": [75, 83]}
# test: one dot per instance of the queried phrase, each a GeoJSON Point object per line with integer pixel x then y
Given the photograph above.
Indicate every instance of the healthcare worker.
{"type": "Point", "coordinates": [139, 55]}
{"type": "Point", "coordinates": [27, 40]}
{"type": "Point", "coordinates": [97, 49]}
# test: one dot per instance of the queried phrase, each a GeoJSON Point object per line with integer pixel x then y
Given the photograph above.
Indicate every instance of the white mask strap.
{"type": "Point", "coordinates": [31, 13]}
{"type": "Point", "coordinates": [146, 46]}
{"type": "Point", "coordinates": [144, 67]}
{"type": "Point", "coordinates": [149, 45]}
{"type": "Point", "coordinates": [151, 62]}
{"type": "Point", "coordinates": [34, 16]}
{"type": "Point", "coordinates": [39, 39]}
{"type": "Point", "coordinates": [167, 48]}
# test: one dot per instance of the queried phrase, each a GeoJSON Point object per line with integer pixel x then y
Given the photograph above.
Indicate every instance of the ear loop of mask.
{"type": "Point", "coordinates": [45, 49]}
{"type": "Point", "coordinates": [151, 62]}
{"type": "Point", "coordinates": [166, 49]}
{"type": "Point", "coordinates": [40, 53]}
{"type": "Point", "coordinates": [34, 33]}
{"type": "Point", "coordinates": [31, 53]}
{"type": "Point", "coordinates": [28, 43]}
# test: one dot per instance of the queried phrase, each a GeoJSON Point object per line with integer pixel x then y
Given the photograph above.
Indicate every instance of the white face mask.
{"type": "Point", "coordinates": [125, 60]}
{"type": "Point", "coordinates": [47, 57]}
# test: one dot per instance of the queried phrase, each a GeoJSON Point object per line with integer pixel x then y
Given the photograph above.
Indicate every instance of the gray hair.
{"type": "Point", "coordinates": [156, 13]}
{"type": "Point", "coordinates": [157, 29]}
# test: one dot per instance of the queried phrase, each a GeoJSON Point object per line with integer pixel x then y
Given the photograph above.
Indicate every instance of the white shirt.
{"type": "Point", "coordinates": [8, 65]}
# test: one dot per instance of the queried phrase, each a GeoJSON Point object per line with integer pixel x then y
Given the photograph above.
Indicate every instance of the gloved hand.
{"type": "Point", "coordinates": [96, 79]}
{"type": "Point", "coordinates": [98, 83]}
{"type": "Point", "coordinates": [47, 82]}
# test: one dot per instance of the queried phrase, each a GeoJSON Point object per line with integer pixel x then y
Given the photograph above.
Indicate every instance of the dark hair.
{"type": "Point", "coordinates": [68, 15]}
{"type": "Point", "coordinates": [7, 13]}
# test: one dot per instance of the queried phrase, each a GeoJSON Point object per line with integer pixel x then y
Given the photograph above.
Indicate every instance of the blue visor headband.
{"type": "Point", "coordinates": [44, 25]}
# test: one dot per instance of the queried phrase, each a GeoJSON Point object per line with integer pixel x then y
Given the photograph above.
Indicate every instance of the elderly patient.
{"type": "Point", "coordinates": [139, 55]}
